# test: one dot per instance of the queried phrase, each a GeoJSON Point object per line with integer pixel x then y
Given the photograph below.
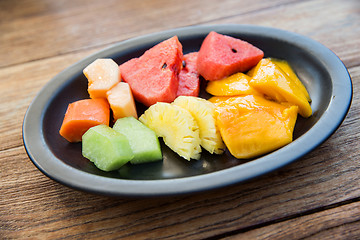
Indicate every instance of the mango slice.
{"type": "Point", "coordinates": [269, 79]}
{"type": "Point", "coordinates": [252, 125]}
{"type": "Point", "coordinates": [285, 66]}
{"type": "Point", "coordinates": [236, 84]}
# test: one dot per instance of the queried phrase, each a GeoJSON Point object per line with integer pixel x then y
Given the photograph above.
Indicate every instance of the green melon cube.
{"type": "Point", "coordinates": [106, 148]}
{"type": "Point", "coordinates": [143, 141]}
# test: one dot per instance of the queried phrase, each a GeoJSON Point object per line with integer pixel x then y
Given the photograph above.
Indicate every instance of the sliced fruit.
{"type": "Point", "coordinates": [102, 75]}
{"type": "Point", "coordinates": [153, 77]}
{"type": "Point", "coordinates": [236, 84]}
{"type": "Point", "coordinates": [176, 126]}
{"type": "Point", "coordinates": [269, 79]}
{"type": "Point", "coordinates": [189, 82]}
{"type": "Point", "coordinates": [143, 141]}
{"type": "Point", "coordinates": [106, 148]}
{"type": "Point", "coordinates": [285, 66]}
{"type": "Point", "coordinates": [82, 115]}
{"type": "Point", "coordinates": [221, 56]}
{"type": "Point", "coordinates": [121, 101]}
{"type": "Point", "coordinates": [203, 112]}
{"type": "Point", "coordinates": [252, 126]}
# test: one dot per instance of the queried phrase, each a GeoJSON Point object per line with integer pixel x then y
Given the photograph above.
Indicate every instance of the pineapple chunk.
{"type": "Point", "coordinates": [203, 112]}
{"type": "Point", "coordinates": [176, 126]}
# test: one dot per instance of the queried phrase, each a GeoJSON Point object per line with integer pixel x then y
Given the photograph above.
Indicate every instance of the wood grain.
{"type": "Point", "coordinates": [70, 26]}
{"type": "Point", "coordinates": [339, 222]}
{"type": "Point", "coordinates": [316, 197]}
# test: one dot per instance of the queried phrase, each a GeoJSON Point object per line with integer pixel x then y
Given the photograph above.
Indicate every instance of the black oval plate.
{"type": "Point", "coordinates": [322, 72]}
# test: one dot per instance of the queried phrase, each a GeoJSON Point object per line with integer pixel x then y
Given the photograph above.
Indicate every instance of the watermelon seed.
{"type": "Point", "coordinates": [183, 63]}
{"type": "Point", "coordinates": [164, 66]}
{"type": "Point", "coordinates": [233, 50]}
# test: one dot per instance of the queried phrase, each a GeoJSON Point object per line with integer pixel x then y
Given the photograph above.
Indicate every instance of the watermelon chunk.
{"type": "Point", "coordinates": [189, 82]}
{"type": "Point", "coordinates": [221, 56]}
{"type": "Point", "coordinates": [153, 77]}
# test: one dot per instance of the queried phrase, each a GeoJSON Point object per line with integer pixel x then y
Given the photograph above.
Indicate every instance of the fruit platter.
{"type": "Point", "coordinates": [179, 138]}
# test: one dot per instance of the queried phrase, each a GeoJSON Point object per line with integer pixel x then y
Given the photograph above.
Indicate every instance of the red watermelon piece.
{"type": "Point", "coordinates": [189, 82]}
{"type": "Point", "coordinates": [153, 77]}
{"type": "Point", "coordinates": [221, 56]}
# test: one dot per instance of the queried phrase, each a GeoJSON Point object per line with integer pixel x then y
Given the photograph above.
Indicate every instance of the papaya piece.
{"type": "Point", "coordinates": [82, 115]}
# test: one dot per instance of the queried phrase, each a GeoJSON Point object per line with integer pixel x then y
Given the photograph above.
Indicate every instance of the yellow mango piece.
{"type": "Point", "coordinates": [252, 126]}
{"type": "Point", "coordinates": [269, 79]}
{"type": "Point", "coordinates": [285, 66]}
{"type": "Point", "coordinates": [236, 84]}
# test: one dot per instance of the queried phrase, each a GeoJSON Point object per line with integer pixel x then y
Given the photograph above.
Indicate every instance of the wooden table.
{"type": "Point", "coordinates": [317, 197]}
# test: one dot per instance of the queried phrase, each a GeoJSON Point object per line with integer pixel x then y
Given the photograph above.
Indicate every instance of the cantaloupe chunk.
{"type": "Point", "coordinates": [121, 101]}
{"type": "Point", "coordinates": [102, 75]}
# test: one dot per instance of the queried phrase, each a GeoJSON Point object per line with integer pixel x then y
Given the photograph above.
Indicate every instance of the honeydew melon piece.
{"type": "Point", "coordinates": [143, 141]}
{"type": "Point", "coordinates": [106, 148]}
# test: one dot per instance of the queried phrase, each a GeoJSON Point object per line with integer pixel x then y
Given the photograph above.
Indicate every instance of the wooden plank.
{"type": "Point", "coordinates": [73, 25]}
{"type": "Point", "coordinates": [340, 222]}
{"type": "Point", "coordinates": [315, 181]}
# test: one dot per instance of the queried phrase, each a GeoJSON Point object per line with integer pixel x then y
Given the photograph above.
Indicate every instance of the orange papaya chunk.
{"type": "Point", "coordinates": [236, 84]}
{"type": "Point", "coordinates": [82, 115]}
{"type": "Point", "coordinates": [251, 125]}
{"type": "Point", "coordinates": [269, 79]}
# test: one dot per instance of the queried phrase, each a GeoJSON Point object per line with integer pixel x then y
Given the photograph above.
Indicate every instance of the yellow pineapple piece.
{"type": "Point", "coordinates": [176, 126]}
{"type": "Point", "coordinates": [204, 113]}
